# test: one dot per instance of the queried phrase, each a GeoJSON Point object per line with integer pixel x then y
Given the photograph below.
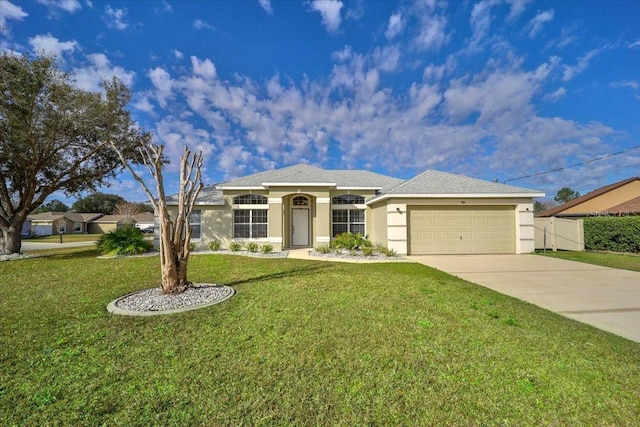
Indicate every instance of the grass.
{"type": "Point", "coordinates": [302, 343]}
{"type": "Point", "coordinates": [606, 259]}
{"type": "Point", "coordinates": [66, 238]}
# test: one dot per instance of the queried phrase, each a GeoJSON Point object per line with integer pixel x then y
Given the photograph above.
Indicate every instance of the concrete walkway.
{"type": "Point", "coordinates": [603, 297]}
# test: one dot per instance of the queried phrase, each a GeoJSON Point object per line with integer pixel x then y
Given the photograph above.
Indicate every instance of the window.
{"type": "Point", "coordinates": [250, 199]}
{"type": "Point", "coordinates": [348, 199]}
{"type": "Point", "coordinates": [300, 201]}
{"type": "Point", "coordinates": [195, 224]}
{"type": "Point", "coordinates": [77, 227]}
{"type": "Point", "coordinates": [248, 221]}
{"type": "Point", "coordinates": [347, 219]}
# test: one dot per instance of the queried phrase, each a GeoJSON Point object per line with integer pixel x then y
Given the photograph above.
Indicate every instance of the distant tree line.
{"type": "Point", "coordinates": [108, 204]}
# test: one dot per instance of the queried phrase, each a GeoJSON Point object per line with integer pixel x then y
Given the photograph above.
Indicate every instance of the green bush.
{"type": "Point", "coordinates": [350, 241]}
{"type": "Point", "coordinates": [123, 241]}
{"type": "Point", "coordinates": [235, 247]}
{"type": "Point", "coordinates": [266, 249]}
{"type": "Point", "coordinates": [252, 247]}
{"type": "Point", "coordinates": [618, 234]}
{"type": "Point", "coordinates": [323, 249]}
{"type": "Point", "coordinates": [192, 247]}
{"type": "Point", "coordinates": [214, 245]}
{"type": "Point", "coordinates": [367, 251]}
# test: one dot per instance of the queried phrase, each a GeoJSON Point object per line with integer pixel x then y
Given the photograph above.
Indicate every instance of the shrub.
{"type": "Point", "coordinates": [235, 246]}
{"type": "Point", "coordinates": [350, 241]}
{"type": "Point", "coordinates": [323, 249]}
{"type": "Point", "coordinates": [618, 234]}
{"type": "Point", "coordinates": [123, 241]}
{"type": "Point", "coordinates": [192, 247]}
{"type": "Point", "coordinates": [214, 245]}
{"type": "Point", "coordinates": [385, 251]}
{"type": "Point", "coordinates": [367, 251]}
{"type": "Point", "coordinates": [252, 247]}
{"type": "Point", "coordinates": [266, 249]}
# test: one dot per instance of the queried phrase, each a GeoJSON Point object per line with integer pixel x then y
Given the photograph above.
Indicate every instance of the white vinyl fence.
{"type": "Point", "coordinates": [559, 234]}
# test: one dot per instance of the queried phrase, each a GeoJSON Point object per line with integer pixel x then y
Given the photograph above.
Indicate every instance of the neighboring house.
{"type": "Point", "coordinates": [109, 223]}
{"type": "Point", "coordinates": [26, 229]}
{"type": "Point", "coordinates": [303, 206]}
{"type": "Point", "coordinates": [619, 199]}
{"type": "Point", "coordinates": [48, 223]}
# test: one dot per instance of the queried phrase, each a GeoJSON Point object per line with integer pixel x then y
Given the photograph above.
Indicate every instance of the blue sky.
{"type": "Point", "coordinates": [491, 89]}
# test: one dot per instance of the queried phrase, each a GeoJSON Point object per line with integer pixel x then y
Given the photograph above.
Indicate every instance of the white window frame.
{"type": "Point", "coordinates": [263, 205]}
{"type": "Point", "coordinates": [199, 223]}
{"type": "Point", "coordinates": [77, 227]}
{"type": "Point", "coordinates": [349, 207]}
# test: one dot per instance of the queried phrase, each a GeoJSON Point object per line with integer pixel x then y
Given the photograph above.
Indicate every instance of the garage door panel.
{"type": "Point", "coordinates": [461, 230]}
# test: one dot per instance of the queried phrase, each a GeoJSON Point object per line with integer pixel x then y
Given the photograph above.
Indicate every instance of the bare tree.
{"type": "Point", "coordinates": [128, 210]}
{"type": "Point", "coordinates": [174, 234]}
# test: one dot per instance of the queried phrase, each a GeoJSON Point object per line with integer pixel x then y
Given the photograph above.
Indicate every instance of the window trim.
{"type": "Point", "coordinates": [259, 202]}
{"type": "Point", "coordinates": [199, 223]}
{"type": "Point", "coordinates": [349, 207]}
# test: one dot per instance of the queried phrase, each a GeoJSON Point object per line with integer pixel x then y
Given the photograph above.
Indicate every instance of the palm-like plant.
{"type": "Point", "coordinates": [123, 241]}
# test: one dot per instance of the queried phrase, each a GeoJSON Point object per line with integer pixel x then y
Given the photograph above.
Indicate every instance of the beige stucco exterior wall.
{"type": "Point", "coordinates": [397, 230]}
{"type": "Point", "coordinates": [96, 228]}
{"type": "Point", "coordinates": [607, 200]}
{"type": "Point", "coordinates": [376, 218]}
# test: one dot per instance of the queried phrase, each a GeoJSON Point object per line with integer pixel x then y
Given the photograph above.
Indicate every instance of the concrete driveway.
{"type": "Point", "coordinates": [606, 298]}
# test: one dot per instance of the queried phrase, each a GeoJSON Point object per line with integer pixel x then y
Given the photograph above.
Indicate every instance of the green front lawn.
{"type": "Point", "coordinates": [302, 343]}
{"type": "Point", "coordinates": [66, 238]}
{"type": "Point", "coordinates": [621, 261]}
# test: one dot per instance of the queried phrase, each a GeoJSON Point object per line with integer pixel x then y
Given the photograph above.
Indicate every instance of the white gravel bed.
{"type": "Point", "coordinates": [281, 254]}
{"type": "Point", "coordinates": [349, 255]}
{"type": "Point", "coordinates": [153, 300]}
{"type": "Point", "coordinates": [15, 257]}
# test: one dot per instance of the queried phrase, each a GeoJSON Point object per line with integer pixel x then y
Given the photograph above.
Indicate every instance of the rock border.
{"type": "Point", "coordinates": [113, 308]}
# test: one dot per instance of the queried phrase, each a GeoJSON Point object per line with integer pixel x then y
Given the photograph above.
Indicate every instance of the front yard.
{"type": "Point", "coordinates": [612, 260]}
{"type": "Point", "coordinates": [302, 343]}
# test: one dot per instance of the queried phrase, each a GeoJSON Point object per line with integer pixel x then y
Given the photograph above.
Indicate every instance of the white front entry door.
{"type": "Point", "coordinates": [300, 227]}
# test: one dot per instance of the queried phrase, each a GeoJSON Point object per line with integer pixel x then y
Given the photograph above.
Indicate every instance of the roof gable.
{"type": "Point", "coordinates": [590, 197]}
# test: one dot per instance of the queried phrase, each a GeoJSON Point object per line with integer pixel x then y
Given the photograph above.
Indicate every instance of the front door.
{"type": "Point", "coordinates": [300, 227]}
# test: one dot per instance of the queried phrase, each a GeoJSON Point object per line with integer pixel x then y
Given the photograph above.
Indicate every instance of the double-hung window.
{"type": "Point", "coordinates": [250, 213]}
{"type": "Point", "coordinates": [347, 214]}
{"type": "Point", "coordinates": [195, 224]}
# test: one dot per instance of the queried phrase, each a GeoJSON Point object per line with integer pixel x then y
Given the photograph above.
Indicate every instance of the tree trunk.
{"type": "Point", "coordinates": [12, 237]}
{"type": "Point", "coordinates": [173, 260]}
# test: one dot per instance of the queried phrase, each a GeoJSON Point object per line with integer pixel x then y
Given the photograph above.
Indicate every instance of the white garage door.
{"type": "Point", "coordinates": [461, 229]}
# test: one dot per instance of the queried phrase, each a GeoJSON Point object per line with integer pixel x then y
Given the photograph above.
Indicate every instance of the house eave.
{"type": "Point", "coordinates": [240, 187]}
{"type": "Point", "coordinates": [343, 187]}
{"type": "Point", "coordinates": [455, 196]}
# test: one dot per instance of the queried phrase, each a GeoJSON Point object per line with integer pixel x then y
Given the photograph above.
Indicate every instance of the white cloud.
{"type": "Point", "coordinates": [395, 27]}
{"type": "Point", "coordinates": [64, 5]}
{"type": "Point", "coordinates": [49, 44]}
{"type": "Point", "coordinates": [204, 69]}
{"type": "Point", "coordinates": [116, 18]}
{"type": "Point", "coordinates": [177, 54]}
{"type": "Point", "coordinates": [480, 21]}
{"type": "Point", "coordinates": [163, 85]}
{"type": "Point", "coordinates": [387, 58]}
{"type": "Point", "coordinates": [99, 68]}
{"type": "Point", "coordinates": [634, 85]}
{"type": "Point", "coordinates": [517, 7]}
{"type": "Point", "coordinates": [432, 33]}
{"type": "Point", "coordinates": [8, 12]}
{"type": "Point", "coordinates": [634, 44]}
{"type": "Point", "coordinates": [199, 24]}
{"type": "Point", "coordinates": [266, 5]}
{"type": "Point", "coordinates": [432, 72]}
{"type": "Point", "coordinates": [554, 96]}
{"type": "Point", "coordinates": [330, 12]}
{"type": "Point", "coordinates": [537, 22]}
{"type": "Point", "coordinates": [583, 62]}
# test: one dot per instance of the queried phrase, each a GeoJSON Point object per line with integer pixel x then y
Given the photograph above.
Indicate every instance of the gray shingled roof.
{"type": "Point", "coordinates": [209, 195]}
{"type": "Point", "coordinates": [431, 182]}
{"type": "Point", "coordinates": [306, 174]}
{"type": "Point", "coordinates": [437, 182]}
{"type": "Point", "coordinates": [71, 216]}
